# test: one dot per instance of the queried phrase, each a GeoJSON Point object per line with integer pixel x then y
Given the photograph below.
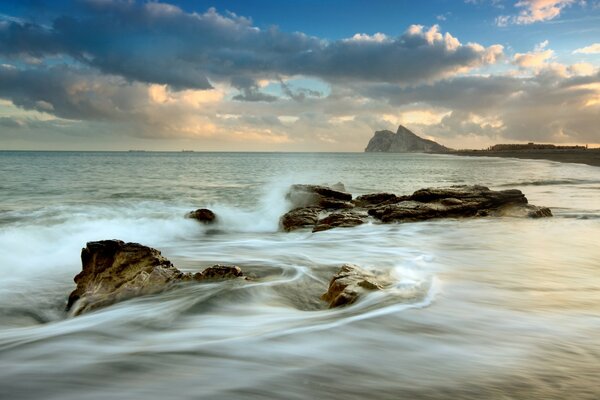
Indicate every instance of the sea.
{"type": "Point", "coordinates": [487, 308]}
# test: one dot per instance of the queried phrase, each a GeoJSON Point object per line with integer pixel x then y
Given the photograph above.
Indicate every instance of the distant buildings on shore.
{"type": "Point", "coordinates": [533, 146]}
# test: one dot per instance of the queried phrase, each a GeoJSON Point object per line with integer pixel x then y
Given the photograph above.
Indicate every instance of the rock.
{"type": "Point", "coordinates": [203, 215]}
{"type": "Point", "coordinates": [219, 272]}
{"type": "Point", "coordinates": [342, 219]}
{"type": "Point", "coordinates": [300, 218]}
{"type": "Point", "coordinates": [113, 271]}
{"type": "Point", "coordinates": [318, 196]}
{"type": "Point", "coordinates": [449, 202]}
{"type": "Point", "coordinates": [424, 204]}
{"type": "Point", "coordinates": [403, 141]}
{"type": "Point", "coordinates": [376, 199]}
{"type": "Point", "coordinates": [350, 283]}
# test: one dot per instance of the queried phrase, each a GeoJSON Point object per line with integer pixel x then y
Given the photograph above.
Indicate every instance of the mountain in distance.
{"type": "Point", "coordinates": [403, 141]}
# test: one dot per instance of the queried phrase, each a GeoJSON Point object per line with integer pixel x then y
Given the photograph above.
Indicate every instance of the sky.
{"type": "Point", "coordinates": [304, 75]}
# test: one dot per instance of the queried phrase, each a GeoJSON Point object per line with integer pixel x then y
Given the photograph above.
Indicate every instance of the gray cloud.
{"type": "Point", "coordinates": [159, 43]}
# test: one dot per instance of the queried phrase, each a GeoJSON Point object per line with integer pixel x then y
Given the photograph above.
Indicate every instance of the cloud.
{"type": "Point", "coordinates": [161, 44]}
{"type": "Point", "coordinates": [535, 59]}
{"type": "Point", "coordinates": [534, 11]}
{"type": "Point", "coordinates": [592, 49]}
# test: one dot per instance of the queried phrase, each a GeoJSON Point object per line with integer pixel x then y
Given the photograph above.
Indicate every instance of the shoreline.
{"type": "Point", "coordinates": [589, 156]}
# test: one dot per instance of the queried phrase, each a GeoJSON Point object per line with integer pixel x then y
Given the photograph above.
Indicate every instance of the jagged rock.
{"type": "Point", "coordinates": [113, 271]}
{"type": "Point", "coordinates": [376, 199]}
{"type": "Point", "coordinates": [403, 141]}
{"type": "Point", "coordinates": [300, 218]}
{"type": "Point", "coordinates": [219, 272]}
{"type": "Point", "coordinates": [203, 215]}
{"type": "Point", "coordinates": [342, 219]}
{"type": "Point", "coordinates": [351, 282]}
{"type": "Point", "coordinates": [318, 196]}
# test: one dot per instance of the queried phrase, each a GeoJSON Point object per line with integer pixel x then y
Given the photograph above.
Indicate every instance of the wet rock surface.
{"type": "Point", "coordinates": [342, 219]}
{"type": "Point", "coordinates": [203, 215]}
{"type": "Point", "coordinates": [322, 208]}
{"type": "Point", "coordinates": [113, 271]}
{"type": "Point", "coordinates": [350, 283]}
{"type": "Point", "coordinates": [298, 218]}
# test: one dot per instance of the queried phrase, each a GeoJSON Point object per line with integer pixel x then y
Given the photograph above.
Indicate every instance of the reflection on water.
{"type": "Point", "coordinates": [487, 308]}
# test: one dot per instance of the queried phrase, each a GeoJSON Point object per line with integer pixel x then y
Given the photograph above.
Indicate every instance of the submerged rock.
{"type": "Point", "coordinates": [350, 283]}
{"type": "Point", "coordinates": [113, 271]}
{"type": "Point", "coordinates": [219, 272]}
{"type": "Point", "coordinates": [203, 215]}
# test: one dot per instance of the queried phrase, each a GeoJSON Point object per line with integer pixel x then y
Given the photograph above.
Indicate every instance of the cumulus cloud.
{"type": "Point", "coordinates": [153, 70]}
{"type": "Point", "coordinates": [534, 11]}
{"type": "Point", "coordinates": [162, 44]}
{"type": "Point", "coordinates": [591, 49]}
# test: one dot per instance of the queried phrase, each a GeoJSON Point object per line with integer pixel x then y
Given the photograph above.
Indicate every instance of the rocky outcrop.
{"type": "Point", "coordinates": [113, 271]}
{"type": "Point", "coordinates": [403, 141]}
{"type": "Point", "coordinates": [203, 215]}
{"type": "Point", "coordinates": [424, 204]}
{"type": "Point", "coordinates": [455, 201]}
{"type": "Point", "coordinates": [350, 283]}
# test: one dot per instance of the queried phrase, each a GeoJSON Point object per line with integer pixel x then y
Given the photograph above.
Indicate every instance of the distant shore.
{"type": "Point", "coordinates": [589, 156]}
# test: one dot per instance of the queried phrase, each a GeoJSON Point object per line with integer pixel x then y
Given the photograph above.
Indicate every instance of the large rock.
{"type": "Point", "coordinates": [350, 283]}
{"type": "Point", "coordinates": [403, 141]}
{"type": "Point", "coordinates": [318, 196]}
{"type": "Point", "coordinates": [113, 271]}
{"type": "Point", "coordinates": [450, 202]}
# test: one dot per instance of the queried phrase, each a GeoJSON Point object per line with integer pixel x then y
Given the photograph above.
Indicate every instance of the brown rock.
{"type": "Point", "coordinates": [114, 271]}
{"type": "Point", "coordinates": [342, 219]}
{"type": "Point", "coordinates": [219, 272]}
{"type": "Point", "coordinates": [300, 218]}
{"type": "Point", "coordinates": [376, 199]}
{"type": "Point", "coordinates": [203, 215]}
{"type": "Point", "coordinates": [350, 283]}
{"type": "Point", "coordinates": [450, 202]}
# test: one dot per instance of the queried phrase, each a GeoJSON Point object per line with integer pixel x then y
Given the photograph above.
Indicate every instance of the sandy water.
{"type": "Point", "coordinates": [494, 308]}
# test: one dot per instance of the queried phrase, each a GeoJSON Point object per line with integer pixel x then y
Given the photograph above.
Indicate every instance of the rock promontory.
{"type": "Point", "coordinates": [403, 141]}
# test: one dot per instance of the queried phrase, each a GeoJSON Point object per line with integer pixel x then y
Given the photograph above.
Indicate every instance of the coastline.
{"type": "Point", "coordinates": [589, 156]}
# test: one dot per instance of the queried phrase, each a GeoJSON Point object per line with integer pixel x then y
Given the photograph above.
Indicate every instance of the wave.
{"type": "Point", "coordinates": [550, 182]}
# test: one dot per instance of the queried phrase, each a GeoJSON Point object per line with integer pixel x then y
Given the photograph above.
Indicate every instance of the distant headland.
{"type": "Point", "coordinates": [405, 141]}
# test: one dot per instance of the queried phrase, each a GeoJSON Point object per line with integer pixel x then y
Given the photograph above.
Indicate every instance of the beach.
{"type": "Point", "coordinates": [589, 156]}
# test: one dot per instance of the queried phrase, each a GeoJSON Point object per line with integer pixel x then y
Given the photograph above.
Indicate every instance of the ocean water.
{"type": "Point", "coordinates": [482, 308]}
